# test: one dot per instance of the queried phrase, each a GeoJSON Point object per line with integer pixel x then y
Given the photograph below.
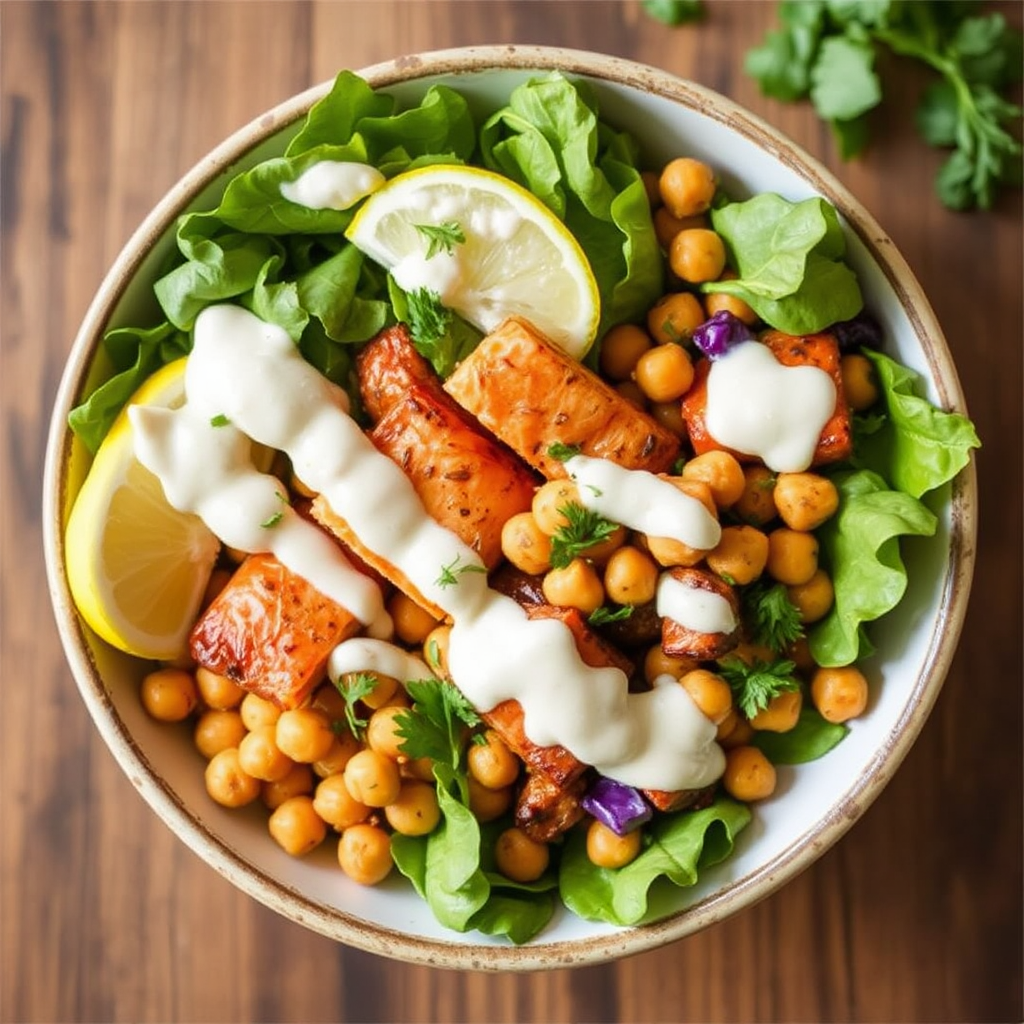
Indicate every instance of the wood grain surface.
{"type": "Point", "coordinates": [914, 916]}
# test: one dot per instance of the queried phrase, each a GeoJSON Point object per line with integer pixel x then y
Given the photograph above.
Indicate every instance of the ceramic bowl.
{"type": "Point", "coordinates": [815, 803]}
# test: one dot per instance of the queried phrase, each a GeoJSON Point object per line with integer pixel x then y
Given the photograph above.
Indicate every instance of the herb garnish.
{"type": "Point", "coordinates": [451, 572]}
{"type": "Point", "coordinates": [272, 520]}
{"type": "Point", "coordinates": [564, 452]}
{"type": "Point", "coordinates": [773, 619]}
{"type": "Point", "coordinates": [603, 615]}
{"type": "Point", "coordinates": [582, 530]}
{"type": "Point", "coordinates": [354, 688]}
{"type": "Point", "coordinates": [220, 420]}
{"type": "Point", "coordinates": [441, 237]}
{"type": "Point", "coordinates": [754, 686]}
{"type": "Point", "coordinates": [440, 336]}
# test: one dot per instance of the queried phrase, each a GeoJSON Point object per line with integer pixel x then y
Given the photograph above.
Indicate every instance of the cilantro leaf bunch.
{"type": "Point", "coordinates": [826, 50]}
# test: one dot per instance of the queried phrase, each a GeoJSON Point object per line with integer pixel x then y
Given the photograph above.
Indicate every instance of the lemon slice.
{"type": "Point", "coordinates": [137, 567]}
{"type": "Point", "coordinates": [486, 246]}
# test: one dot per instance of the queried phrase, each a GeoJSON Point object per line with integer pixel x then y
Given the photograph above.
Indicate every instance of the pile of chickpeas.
{"type": "Point", "coordinates": [316, 778]}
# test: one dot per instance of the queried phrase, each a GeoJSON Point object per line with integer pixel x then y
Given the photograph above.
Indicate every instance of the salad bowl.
{"type": "Point", "coordinates": [814, 804]}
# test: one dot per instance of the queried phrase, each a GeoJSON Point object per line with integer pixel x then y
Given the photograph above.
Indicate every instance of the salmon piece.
{"type": "Point", "coordinates": [270, 631]}
{"type": "Point", "coordinates": [594, 650]}
{"type": "Point", "coordinates": [680, 799]}
{"type": "Point", "coordinates": [680, 641]}
{"type": "Point", "coordinates": [387, 366]}
{"type": "Point", "coordinates": [544, 809]}
{"type": "Point", "coordinates": [467, 482]}
{"type": "Point", "coordinates": [820, 350]}
{"type": "Point", "coordinates": [531, 395]}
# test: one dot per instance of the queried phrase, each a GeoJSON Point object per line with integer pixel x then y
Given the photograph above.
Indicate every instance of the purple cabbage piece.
{"type": "Point", "coordinates": [716, 336]}
{"type": "Point", "coordinates": [863, 331]}
{"type": "Point", "coordinates": [622, 808]}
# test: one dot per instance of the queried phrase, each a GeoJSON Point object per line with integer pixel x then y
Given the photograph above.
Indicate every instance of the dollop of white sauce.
{"type": "Point", "coordinates": [760, 407]}
{"type": "Point", "coordinates": [363, 654]}
{"type": "Point", "coordinates": [643, 502]}
{"type": "Point", "coordinates": [332, 185]}
{"type": "Point", "coordinates": [692, 607]}
{"type": "Point", "coordinates": [251, 372]}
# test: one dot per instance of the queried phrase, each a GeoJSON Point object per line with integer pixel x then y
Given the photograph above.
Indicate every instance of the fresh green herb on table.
{"type": "Point", "coordinates": [827, 50]}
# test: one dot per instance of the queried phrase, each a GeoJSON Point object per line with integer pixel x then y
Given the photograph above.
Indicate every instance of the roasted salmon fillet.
{"type": "Point", "coordinates": [270, 631]}
{"type": "Point", "coordinates": [387, 366]}
{"type": "Point", "coordinates": [681, 641]}
{"type": "Point", "coordinates": [531, 395]}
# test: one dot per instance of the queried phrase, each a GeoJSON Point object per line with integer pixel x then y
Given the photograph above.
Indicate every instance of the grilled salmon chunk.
{"type": "Point", "coordinates": [544, 809]}
{"type": "Point", "coordinates": [270, 631]}
{"type": "Point", "coordinates": [681, 641]}
{"type": "Point", "coordinates": [532, 395]}
{"type": "Point", "coordinates": [387, 366]}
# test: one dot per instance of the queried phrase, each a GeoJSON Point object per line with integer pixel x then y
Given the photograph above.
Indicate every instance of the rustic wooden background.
{"type": "Point", "coordinates": [914, 916]}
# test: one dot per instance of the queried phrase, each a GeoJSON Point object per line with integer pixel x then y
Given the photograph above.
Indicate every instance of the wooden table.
{"type": "Point", "coordinates": [914, 916]}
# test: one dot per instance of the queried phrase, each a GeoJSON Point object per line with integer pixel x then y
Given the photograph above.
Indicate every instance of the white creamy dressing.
{"type": "Point", "coordinates": [760, 407]}
{"type": "Point", "coordinates": [252, 373]}
{"type": "Point", "coordinates": [363, 654]}
{"type": "Point", "coordinates": [643, 502]}
{"type": "Point", "coordinates": [332, 185]}
{"type": "Point", "coordinates": [694, 608]}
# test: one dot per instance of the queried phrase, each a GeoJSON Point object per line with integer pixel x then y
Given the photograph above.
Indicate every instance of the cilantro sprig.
{"type": "Point", "coordinates": [353, 688]}
{"type": "Point", "coordinates": [773, 620]}
{"type": "Point", "coordinates": [439, 334]}
{"type": "Point", "coordinates": [441, 237]}
{"type": "Point", "coordinates": [564, 452]}
{"type": "Point", "coordinates": [827, 50]}
{"type": "Point", "coordinates": [450, 573]}
{"type": "Point", "coordinates": [754, 685]}
{"type": "Point", "coordinates": [603, 615]}
{"type": "Point", "coordinates": [583, 529]}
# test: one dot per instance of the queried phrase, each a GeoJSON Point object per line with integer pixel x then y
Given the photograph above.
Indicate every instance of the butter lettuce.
{"type": "Point", "coordinates": [677, 847]}
{"type": "Point", "coordinates": [860, 547]}
{"type": "Point", "coordinates": [812, 737]}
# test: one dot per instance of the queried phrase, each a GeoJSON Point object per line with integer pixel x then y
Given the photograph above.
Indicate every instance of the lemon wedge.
{"type": "Point", "coordinates": [487, 247]}
{"type": "Point", "coordinates": [137, 568]}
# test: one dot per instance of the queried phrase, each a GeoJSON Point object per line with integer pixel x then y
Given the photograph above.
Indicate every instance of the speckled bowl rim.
{"type": "Point", "coordinates": [744, 892]}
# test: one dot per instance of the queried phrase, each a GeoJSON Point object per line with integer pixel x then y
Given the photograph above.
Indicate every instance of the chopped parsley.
{"type": "Point", "coordinates": [603, 615]}
{"type": "Point", "coordinates": [353, 688]}
{"type": "Point", "coordinates": [272, 520]}
{"type": "Point", "coordinates": [564, 452]}
{"type": "Point", "coordinates": [754, 686]}
{"type": "Point", "coordinates": [451, 572]}
{"type": "Point", "coordinates": [773, 620]}
{"type": "Point", "coordinates": [220, 420]}
{"type": "Point", "coordinates": [441, 237]}
{"type": "Point", "coordinates": [583, 530]}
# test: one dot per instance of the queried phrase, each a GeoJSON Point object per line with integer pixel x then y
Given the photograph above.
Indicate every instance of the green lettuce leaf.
{"type": "Point", "coordinates": [860, 545]}
{"type": "Point", "coordinates": [788, 258]}
{"type": "Point", "coordinates": [812, 737]}
{"type": "Point", "coordinates": [679, 846]}
{"type": "Point", "coordinates": [918, 447]}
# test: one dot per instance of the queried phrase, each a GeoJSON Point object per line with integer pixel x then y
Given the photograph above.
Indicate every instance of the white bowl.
{"type": "Point", "coordinates": [815, 803]}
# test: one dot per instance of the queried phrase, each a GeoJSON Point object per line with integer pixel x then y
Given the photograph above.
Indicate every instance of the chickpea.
{"type": "Point", "coordinates": [721, 472]}
{"type": "Point", "coordinates": [739, 735]}
{"type": "Point", "coordinates": [304, 734]}
{"type": "Point", "coordinates": [658, 663]}
{"type": "Point", "coordinates": [298, 782]}
{"type": "Point", "coordinates": [421, 768]}
{"type": "Point", "coordinates": [525, 544]}
{"type": "Point", "coordinates": [342, 750]}
{"type": "Point", "coordinates": [666, 226]}
{"type": "Point", "coordinates": [621, 347]}
{"type": "Point", "coordinates": [218, 580]}
{"type": "Point", "coordinates": [750, 653]}
{"type": "Point", "coordinates": [799, 652]}
{"type": "Point", "coordinates": [364, 853]}
{"type": "Point", "coordinates": [491, 763]}
{"type": "Point", "coordinates": [839, 694]}
{"type": "Point", "coordinates": [334, 804]}
{"type": "Point", "coordinates": [257, 711]}
{"type": "Point", "coordinates": [382, 732]}
{"type": "Point", "coordinates": [383, 691]}
{"type": "Point", "coordinates": [412, 623]}
{"type": "Point", "coordinates": [630, 576]}
{"type": "Point", "coordinates": [599, 553]}
{"type": "Point", "coordinates": [328, 699]}
{"type": "Point", "coordinates": [216, 731]}
{"type": "Point", "coordinates": [435, 649]}
{"type": "Point", "coordinates": [549, 499]}
{"type": "Point", "coordinates": [814, 598]}
{"type": "Point", "coordinates": [372, 779]}
{"type": "Point", "coordinates": [415, 812]}
{"type": "Point", "coordinates": [630, 391]}
{"type": "Point", "coordinates": [169, 694]}
{"type": "Point", "coordinates": [697, 255]}
{"type": "Point", "coordinates": [792, 556]}
{"type": "Point", "coordinates": [218, 691]}
{"type": "Point", "coordinates": [756, 505]}
{"type": "Point", "coordinates": [519, 857]}
{"type": "Point", "coordinates": [710, 692]}
{"type": "Point", "coordinates": [687, 186]}
{"type": "Point", "coordinates": [781, 714]}
{"type": "Point", "coordinates": [670, 416]}
{"type": "Point", "coordinates": [607, 849]}
{"type": "Point", "coordinates": [674, 318]}
{"type": "Point", "coordinates": [727, 726]}
{"type": "Point", "coordinates": [749, 775]}
{"type": "Point", "coordinates": [664, 373]}
{"type": "Point", "coordinates": [226, 781]}
{"type": "Point", "coordinates": [805, 500]}
{"type": "Point", "coordinates": [575, 586]}
{"type": "Point", "coordinates": [717, 302]}
{"type": "Point", "coordinates": [859, 386]}
{"type": "Point", "coordinates": [488, 804]}
{"type": "Point", "coordinates": [668, 551]}
{"type": "Point", "coordinates": [740, 555]}
{"type": "Point", "coordinates": [296, 827]}
{"type": "Point", "coordinates": [260, 756]}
